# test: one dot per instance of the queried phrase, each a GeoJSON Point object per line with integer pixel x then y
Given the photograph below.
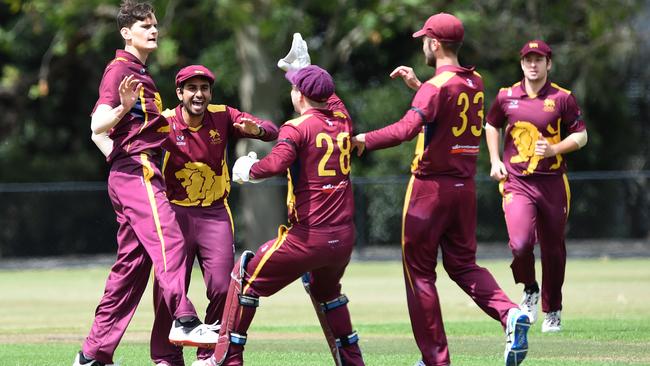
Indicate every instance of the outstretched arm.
{"type": "Point", "coordinates": [408, 75]}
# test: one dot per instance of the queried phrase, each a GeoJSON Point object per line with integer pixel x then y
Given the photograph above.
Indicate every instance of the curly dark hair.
{"type": "Point", "coordinates": [132, 11]}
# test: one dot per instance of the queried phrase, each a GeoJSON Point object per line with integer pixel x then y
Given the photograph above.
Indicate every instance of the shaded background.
{"type": "Point", "coordinates": [52, 55]}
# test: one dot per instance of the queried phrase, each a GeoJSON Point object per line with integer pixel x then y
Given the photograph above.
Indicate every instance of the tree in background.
{"type": "Point", "coordinates": [52, 55]}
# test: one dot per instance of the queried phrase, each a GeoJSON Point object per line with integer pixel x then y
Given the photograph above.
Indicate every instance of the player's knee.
{"type": "Point", "coordinates": [521, 246]}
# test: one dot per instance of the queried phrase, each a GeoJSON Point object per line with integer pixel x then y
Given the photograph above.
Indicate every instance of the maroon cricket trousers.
{"type": "Point", "coordinates": [148, 235]}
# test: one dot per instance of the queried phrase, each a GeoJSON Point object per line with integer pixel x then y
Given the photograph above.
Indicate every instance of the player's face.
{"type": "Point", "coordinates": [195, 95]}
{"type": "Point", "coordinates": [143, 34]}
{"type": "Point", "coordinates": [427, 47]}
{"type": "Point", "coordinates": [295, 98]}
{"type": "Point", "coordinates": [535, 67]}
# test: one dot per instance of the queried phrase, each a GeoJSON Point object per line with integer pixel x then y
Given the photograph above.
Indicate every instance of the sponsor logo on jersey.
{"type": "Point", "coordinates": [180, 140]}
{"type": "Point", "coordinates": [514, 103]}
{"type": "Point", "coordinates": [464, 149]}
{"type": "Point", "coordinates": [330, 188]}
{"type": "Point", "coordinates": [470, 83]}
{"type": "Point", "coordinates": [215, 138]}
{"type": "Point", "coordinates": [549, 105]}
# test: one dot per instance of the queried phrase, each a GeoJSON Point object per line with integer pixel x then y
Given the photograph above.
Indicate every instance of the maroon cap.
{"type": "Point", "coordinates": [536, 46]}
{"type": "Point", "coordinates": [313, 82]}
{"type": "Point", "coordinates": [443, 27]}
{"type": "Point", "coordinates": [192, 71]}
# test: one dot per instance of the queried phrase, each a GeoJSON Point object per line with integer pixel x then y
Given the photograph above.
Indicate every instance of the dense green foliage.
{"type": "Point", "coordinates": [52, 55]}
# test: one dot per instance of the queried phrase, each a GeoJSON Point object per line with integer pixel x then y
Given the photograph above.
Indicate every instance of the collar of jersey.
{"type": "Point", "coordinates": [520, 92]}
{"type": "Point", "coordinates": [129, 56]}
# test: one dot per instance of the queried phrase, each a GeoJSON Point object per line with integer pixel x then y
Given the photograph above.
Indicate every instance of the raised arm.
{"type": "Point", "coordinates": [106, 117]}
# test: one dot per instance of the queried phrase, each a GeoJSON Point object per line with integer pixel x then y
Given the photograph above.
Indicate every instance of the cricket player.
{"type": "Point", "coordinates": [446, 115]}
{"type": "Point", "coordinates": [128, 109]}
{"type": "Point", "coordinates": [535, 189]}
{"type": "Point", "coordinates": [314, 151]}
{"type": "Point", "coordinates": [198, 183]}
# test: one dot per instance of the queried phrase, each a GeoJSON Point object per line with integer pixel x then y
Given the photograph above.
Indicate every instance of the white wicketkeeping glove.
{"type": "Point", "coordinates": [298, 56]}
{"type": "Point", "coordinates": [242, 168]}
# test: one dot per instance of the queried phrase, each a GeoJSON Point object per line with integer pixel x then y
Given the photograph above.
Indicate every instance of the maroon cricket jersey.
{"type": "Point", "coordinates": [142, 127]}
{"type": "Point", "coordinates": [447, 115]}
{"type": "Point", "coordinates": [314, 149]}
{"type": "Point", "coordinates": [527, 118]}
{"type": "Point", "coordinates": [194, 165]}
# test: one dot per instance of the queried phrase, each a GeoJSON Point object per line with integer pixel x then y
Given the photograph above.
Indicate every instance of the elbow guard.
{"type": "Point", "coordinates": [580, 138]}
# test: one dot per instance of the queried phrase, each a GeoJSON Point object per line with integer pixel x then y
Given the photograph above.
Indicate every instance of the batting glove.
{"type": "Point", "coordinates": [242, 168]}
{"type": "Point", "coordinates": [298, 56]}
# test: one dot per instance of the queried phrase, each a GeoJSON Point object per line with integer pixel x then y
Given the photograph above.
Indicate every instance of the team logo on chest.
{"type": "Point", "coordinates": [549, 105]}
{"type": "Point", "coordinates": [215, 138]}
{"type": "Point", "coordinates": [514, 103]}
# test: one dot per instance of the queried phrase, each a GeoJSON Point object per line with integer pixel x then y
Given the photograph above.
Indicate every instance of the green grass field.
{"type": "Point", "coordinates": [45, 315]}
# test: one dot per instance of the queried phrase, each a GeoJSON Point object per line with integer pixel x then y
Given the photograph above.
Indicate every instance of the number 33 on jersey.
{"type": "Point", "coordinates": [452, 105]}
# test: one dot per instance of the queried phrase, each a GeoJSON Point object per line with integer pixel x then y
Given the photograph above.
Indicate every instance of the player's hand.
{"type": "Point", "coordinates": [242, 168]}
{"type": "Point", "coordinates": [298, 56]}
{"type": "Point", "coordinates": [498, 171]}
{"type": "Point", "coordinates": [248, 126]}
{"type": "Point", "coordinates": [129, 90]}
{"type": "Point", "coordinates": [408, 75]}
{"type": "Point", "coordinates": [544, 148]}
{"type": "Point", "coordinates": [358, 142]}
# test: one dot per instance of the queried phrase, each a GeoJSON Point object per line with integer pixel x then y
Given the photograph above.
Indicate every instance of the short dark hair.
{"type": "Point", "coordinates": [453, 47]}
{"type": "Point", "coordinates": [132, 11]}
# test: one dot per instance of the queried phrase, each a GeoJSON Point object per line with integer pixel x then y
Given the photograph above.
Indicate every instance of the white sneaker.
{"type": "Point", "coordinates": [215, 327]}
{"type": "Point", "coordinates": [421, 363]}
{"type": "Point", "coordinates": [80, 360]}
{"type": "Point", "coordinates": [206, 362]}
{"type": "Point", "coordinates": [516, 337]}
{"type": "Point", "coordinates": [529, 305]}
{"type": "Point", "coordinates": [552, 322]}
{"type": "Point", "coordinates": [194, 334]}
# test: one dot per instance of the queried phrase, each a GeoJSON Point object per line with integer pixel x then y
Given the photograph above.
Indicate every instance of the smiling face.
{"type": "Point", "coordinates": [195, 95]}
{"type": "Point", "coordinates": [142, 35]}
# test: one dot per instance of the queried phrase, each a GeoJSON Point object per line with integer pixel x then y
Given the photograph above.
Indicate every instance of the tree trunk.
{"type": "Point", "coordinates": [263, 207]}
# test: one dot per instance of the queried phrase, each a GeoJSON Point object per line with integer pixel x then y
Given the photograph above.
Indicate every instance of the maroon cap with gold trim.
{"type": "Point", "coordinates": [443, 27]}
{"type": "Point", "coordinates": [192, 71]}
{"type": "Point", "coordinates": [536, 46]}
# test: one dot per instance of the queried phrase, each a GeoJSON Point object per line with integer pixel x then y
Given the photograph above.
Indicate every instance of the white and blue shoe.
{"type": "Point", "coordinates": [516, 337]}
{"type": "Point", "coordinates": [529, 305]}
